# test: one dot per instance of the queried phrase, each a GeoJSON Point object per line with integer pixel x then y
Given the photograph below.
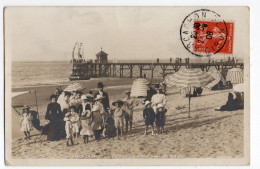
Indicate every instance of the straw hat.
{"type": "Point", "coordinates": [89, 95]}
{"type": "Point", "coordinates": [86, 112]}
{"type": "Point", "coordinates": [117, 101]}
{"type": "Point", "coordinates": [160, 106]}
{"type": "Point", "coordinates": [99, 97]}
{"type": "Point", "coordinates": [147, 102]}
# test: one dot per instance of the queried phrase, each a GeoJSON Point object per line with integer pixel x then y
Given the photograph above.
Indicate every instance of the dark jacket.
{"type": "Point", "coordinates": [105, 101]}
{"type": "Point", "coordinates": [149, 116]}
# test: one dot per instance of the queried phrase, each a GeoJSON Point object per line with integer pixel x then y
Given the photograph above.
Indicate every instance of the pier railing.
{"type": "Point", "coordinates": [111, 69]}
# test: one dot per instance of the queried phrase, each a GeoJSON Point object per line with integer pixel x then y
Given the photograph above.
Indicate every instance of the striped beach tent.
{"type": "Point", "coordinates": [139, 88]}
{"type": "Point", "coordinates": [217, 77]}
{"type": "Point", "coordinates": [73, 87]}
{"type": "Point", "coordinates": [235, 76]}
{"type": "Point", "coordinates": [191, 78]}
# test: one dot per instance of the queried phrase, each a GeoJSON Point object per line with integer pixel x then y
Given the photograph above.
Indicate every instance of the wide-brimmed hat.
{"type": "Point", "coordinates": [86, 112]}
{"type": "Point", "coordinates": [159, 106]}
{"type": "Point", "coordinates": [100, 85]}
{"type": "Point", "coordinates": [99, 97]}
{"type": "Point", "coordinates": [67, 114]}
{"type": "Point", "coordinates": [147, 102]}
{"type": "Point", "coordinates": [117, 101]}
{"type": "Point", "coordinates": [89, 95]}
{"type": "Point", "coordinates": [26, 107]}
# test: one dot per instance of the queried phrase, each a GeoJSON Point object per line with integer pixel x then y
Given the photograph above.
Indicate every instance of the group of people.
{"type": "Point", "coordinates": [74, 114]}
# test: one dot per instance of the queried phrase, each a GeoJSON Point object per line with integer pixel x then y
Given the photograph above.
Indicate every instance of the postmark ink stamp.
{"type": "Point", "coordinates": [203, 33]}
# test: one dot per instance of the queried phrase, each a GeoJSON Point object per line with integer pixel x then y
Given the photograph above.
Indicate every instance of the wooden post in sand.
{"type": "Point", "coordinates": [189, 101]}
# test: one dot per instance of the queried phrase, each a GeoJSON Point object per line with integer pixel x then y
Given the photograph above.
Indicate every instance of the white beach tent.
{"type": "Point", "coordinates": [139, 88]}
{"type": "Point", "coordinates": [235, 75]}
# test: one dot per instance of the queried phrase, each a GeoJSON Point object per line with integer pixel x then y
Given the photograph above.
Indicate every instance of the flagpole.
{"type": "Point", "coordinates": [189, 101]}
{"type": "Point", "coordinates": [36, 101]}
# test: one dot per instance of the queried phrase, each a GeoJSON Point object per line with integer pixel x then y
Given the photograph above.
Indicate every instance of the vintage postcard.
{"type": "Point", "coordinates": [127, 86]}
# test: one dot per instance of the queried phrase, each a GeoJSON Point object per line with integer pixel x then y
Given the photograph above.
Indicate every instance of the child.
{"type": "Point", "coordinates": [160, 118]}
{"type": "Point", "coordinates": [149, 116]}
{"type": "Point", "coordinates": [129, 105]}
{"type": "Point", "coordinates": [74, 118]}
{"type": "Point", "coordinates": [119, 115]}
{"type": "Point", "coordinates": [68, 128]}
{"type": "Point", "coordinates": [26, 122]}
{"type": "Point", "coordinates": [86, 125]}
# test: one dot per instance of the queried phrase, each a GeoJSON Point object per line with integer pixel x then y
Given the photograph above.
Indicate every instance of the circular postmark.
{"type": "Point", "coordinates": [203, 32]}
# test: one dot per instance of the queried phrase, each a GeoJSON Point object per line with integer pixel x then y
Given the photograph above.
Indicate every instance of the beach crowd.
{"type": "Point", "coordinates": [76, 115]}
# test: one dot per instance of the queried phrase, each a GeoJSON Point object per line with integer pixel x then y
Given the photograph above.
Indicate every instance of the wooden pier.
{"type": "Point", "coordinates": [110, 69]}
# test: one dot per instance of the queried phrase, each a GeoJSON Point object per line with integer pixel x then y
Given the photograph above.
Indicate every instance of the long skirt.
{"type": "Point", "coordinates": [53, 131]}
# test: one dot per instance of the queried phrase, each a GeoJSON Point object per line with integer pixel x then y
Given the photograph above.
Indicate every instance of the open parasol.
{"type": "Point", "coordinates": [190, 78]}
{"type": "Point", "coordinates": [74, 87]}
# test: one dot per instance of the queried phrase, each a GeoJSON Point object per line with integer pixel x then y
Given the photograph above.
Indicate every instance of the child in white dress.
{"type": "Point", "coordinates": [26, 122]}
{"type": "Point", "coordinates": [74, 118]}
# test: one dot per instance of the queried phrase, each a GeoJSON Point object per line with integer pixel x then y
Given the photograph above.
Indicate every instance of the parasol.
{"type": "Point", "coordinates": [74, 87]}
{"type": "Point", "coordinates": [190, 78]}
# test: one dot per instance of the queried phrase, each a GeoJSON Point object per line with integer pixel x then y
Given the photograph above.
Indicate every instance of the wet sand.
{"type": "Point", "coordinates": [207, 134]}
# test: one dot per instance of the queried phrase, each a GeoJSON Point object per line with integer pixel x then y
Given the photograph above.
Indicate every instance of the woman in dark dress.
{"type": "Point", "coordinates": [53, 114]}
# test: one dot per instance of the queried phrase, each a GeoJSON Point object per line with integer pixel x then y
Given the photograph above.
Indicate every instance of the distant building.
{"type": "Point", "coordinates": [101, 57]}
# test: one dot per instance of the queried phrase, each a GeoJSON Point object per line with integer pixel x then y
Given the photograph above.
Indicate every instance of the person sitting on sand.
{"type": "Point", "coordinates": [68, 129]}
{"type": "Point", "coordinates": [26, 122]}
{"type": "Point", "coordinates": [110, 129]}
{"type": "Point", "coordinates": [158, 98]}
{"type": "Point", "coordinates": [119, 115]}
{"type": "Point", "coordinates": [86, 121]}
{"type": "Point", "coordinates": [230, 105]}
{"type": "Point", "coordinates": [160, 118]}
{"type": "Point", "coordinates": [148, 115]}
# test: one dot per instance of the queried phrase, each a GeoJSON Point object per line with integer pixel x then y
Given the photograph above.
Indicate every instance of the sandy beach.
{"type": "Point", "coordinates": [207, 134]}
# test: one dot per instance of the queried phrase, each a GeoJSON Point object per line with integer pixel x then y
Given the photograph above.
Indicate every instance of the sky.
{"type": "Point", "coordinates": [125, 33]}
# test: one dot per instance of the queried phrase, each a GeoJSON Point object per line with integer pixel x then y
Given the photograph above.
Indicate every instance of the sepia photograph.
{"type": "Point", "coordinates": [127, 85]}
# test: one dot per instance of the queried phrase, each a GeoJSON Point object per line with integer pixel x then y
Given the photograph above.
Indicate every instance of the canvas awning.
{"type": "Point", "coordinates": [14, 94]}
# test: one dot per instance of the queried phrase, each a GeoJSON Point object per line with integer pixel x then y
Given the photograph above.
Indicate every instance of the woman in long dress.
{"type": "Point", "coordinates": [53, 114]}
{"type": "Point", "coordinates": [97, 122]}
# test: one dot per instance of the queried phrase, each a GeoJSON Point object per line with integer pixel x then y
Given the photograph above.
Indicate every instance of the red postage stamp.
{"type": "Point", "coordinates": [213, 37]}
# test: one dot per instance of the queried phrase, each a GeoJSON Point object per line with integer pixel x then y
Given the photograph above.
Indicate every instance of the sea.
{"type": "Point", "coordinates": [29, 74]}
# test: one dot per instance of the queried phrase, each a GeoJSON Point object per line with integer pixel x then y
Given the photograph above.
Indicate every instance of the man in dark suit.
{"type": "Point", "coordinates": [101, 92]}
